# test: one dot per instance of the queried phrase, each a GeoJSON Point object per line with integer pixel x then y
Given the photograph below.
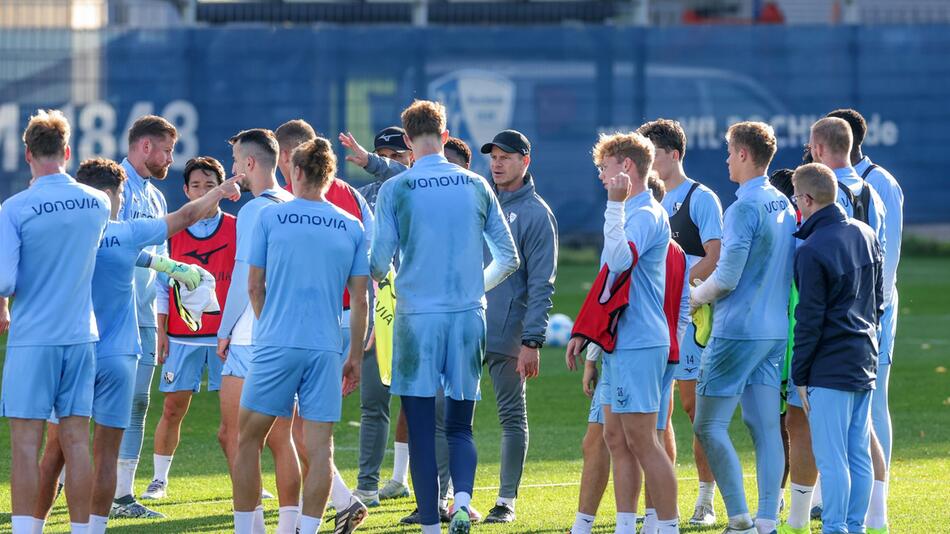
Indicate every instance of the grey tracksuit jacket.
{"type": "Point", "coordinates": [518, 307]}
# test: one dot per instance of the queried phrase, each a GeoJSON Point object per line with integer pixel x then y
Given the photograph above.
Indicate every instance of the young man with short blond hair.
{"type": "Point", "coordinates": [636, 239]}
{"type": "Point", "coordinates": [696, 225]}
{"type": "Point", "coordinates": [50, 359]}
{"type": "Point", "coordinates": [741, 364]}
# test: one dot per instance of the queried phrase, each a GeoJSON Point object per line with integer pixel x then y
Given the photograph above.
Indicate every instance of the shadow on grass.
{"type": "Point", "coordinates": [206, 523]}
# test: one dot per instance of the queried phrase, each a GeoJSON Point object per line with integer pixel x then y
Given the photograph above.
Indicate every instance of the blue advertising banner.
{"type": "Point", "coordinates": [560, 86]}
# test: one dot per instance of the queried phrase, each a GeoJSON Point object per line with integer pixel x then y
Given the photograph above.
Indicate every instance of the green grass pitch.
{"type": "Point", "coordinates": [200, 490]}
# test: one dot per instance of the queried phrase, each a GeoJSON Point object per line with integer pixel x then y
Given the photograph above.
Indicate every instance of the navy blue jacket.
{"type": "Point", "coordinates": [839, 275]}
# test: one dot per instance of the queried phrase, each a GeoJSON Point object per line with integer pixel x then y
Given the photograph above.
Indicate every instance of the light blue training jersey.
{"type": "Point", "coordinates": [886, 186]}
{"type": "Point", "coordinates": [705, 211]}
{"type": "Point", "coordinates": [49, 235]}
{"type": "Point", "coordinates": [113, 297]}
{"type": "Point", "coordinates": [755, 264]}
{"type": "Point", "coordinates": [142, 200]}
{"type": "Point", "coordinates": [237, 302]}
{"type": "Point", "coordinates": [643, 324]}
{"type": "Point", "coordinates": [436, 214]}
{"type": "Point", "coordinates": [308, 250]}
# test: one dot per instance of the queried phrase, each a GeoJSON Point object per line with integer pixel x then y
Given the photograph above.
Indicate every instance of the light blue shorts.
{"type": "Point", "coordinates": [433, 350]}
{"type": "Point", "coordinates": [185, 365]}
{"type": "Point", "coordinates": [601, 397]}
{"type": "Point", "coordinates": [238, 361]}
{"type": "Point", "coordinates": [39, 379]}
{"type": "Point", "coordinates": [634, 379]}
{"type": "Point", "coordinates": [690, 356]}
{"type": "Point", "coordinates": [115, 384]}
{"type": "Point", "coordinates": [729, 365]}
{"type": "Point", "coordinates": [666, 395]}
{"type": "Point", "coordinates": [280, 374]}
{"type": "Point", "coordinates": [888, 332]}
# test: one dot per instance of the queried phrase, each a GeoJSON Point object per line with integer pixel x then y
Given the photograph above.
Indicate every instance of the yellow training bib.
{"type": "Point", "coordinates": [384, 315]}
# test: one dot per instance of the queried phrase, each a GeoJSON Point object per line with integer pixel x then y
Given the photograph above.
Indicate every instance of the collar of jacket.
{"type": "Point", "coordinates": [830, 214]}
{"type": "Point", "coordinates": [509, 197]}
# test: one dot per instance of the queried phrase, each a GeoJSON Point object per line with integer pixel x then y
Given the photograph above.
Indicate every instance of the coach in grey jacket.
{"type": "Point", "coordinates": [517, 314]}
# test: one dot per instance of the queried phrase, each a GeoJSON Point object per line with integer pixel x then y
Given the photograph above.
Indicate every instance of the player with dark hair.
{"type": "Point", "coordinates": [183, 353]}
{"type": "Point", "coordinates": [120, 251]}
{"type": "Point", "coordinates": [255, 153]}
{"type": "Point", "coordinates": [696, 225]}
{"type": "Point", "coordinates": [300, 359]}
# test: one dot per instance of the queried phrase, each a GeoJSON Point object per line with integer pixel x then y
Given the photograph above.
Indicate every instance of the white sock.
{"type": "Point", "coordinates": [650, 525]}
{"type": "Point", "coordinates": [97, 524]}
{"type": "Point", "coordinates": [877, 511]}
{"type": "Point", "coordinates": [22, 524]}
{"type": "Point", "coordinates": [401, 462]}
{"type": "Point", "coordinates": [507, 501]}
{"type": "Point", "coordinates": [259, 526]}
{"type": "Point", "coordinates": [583, 523]}
{"type": "Point", "coordinates": [125, 477]}
{"type": "Point", "coordinates": [339, 494]}
{"type": "Point", "coordinates": [741, 522]}
{"type": "Point", "coordinates": [309, 525]}
{"type": "Point", "coordinates": [669, 526]}
{"type": "Point", "coordinates": [432, 529]}
{"type": "Point", "coordinates": [79, 528]}
{"type": "Point", "coordinates": [162, 465]}
{"type": "Point", "coordinates": [816, 495]}
{"type": "Point", "coordinates": [765, 526]}
{"type": "Point", "coordinates": [62, 476]}
{"type": "Point", "coordinates": [287, 520]}
{"type": "Point", "coordinates": [462, 500]}
{"type": "Point", "coordinates": [626, 523]}
{"type": "Point", "coordinates": [38, 525]}
{"type": "Point", "coordinates": [799, 511]}
{"type": "Point", "coordinates": [244, 522]}
{"type": "Point", "coordinates": [707, 492]}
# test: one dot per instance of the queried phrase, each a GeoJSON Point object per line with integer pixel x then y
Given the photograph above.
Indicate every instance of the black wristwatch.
{"type": "Point", "coordinates": [531, 344]}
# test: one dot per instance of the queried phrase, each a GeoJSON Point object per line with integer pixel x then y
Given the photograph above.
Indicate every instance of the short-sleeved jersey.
{"type": "Point", "coordinates": [142, 200]}
{"type": "Point", "coordinates": [49, 235]}
{"type": "Point", "coordinates": [248, 217]}
{"type": "Point", "coordinates": [437, 215]}
{"type": "Point", "coordinates": [329, 246]}
{"type": "Point", "coordinates": [113, 296]}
